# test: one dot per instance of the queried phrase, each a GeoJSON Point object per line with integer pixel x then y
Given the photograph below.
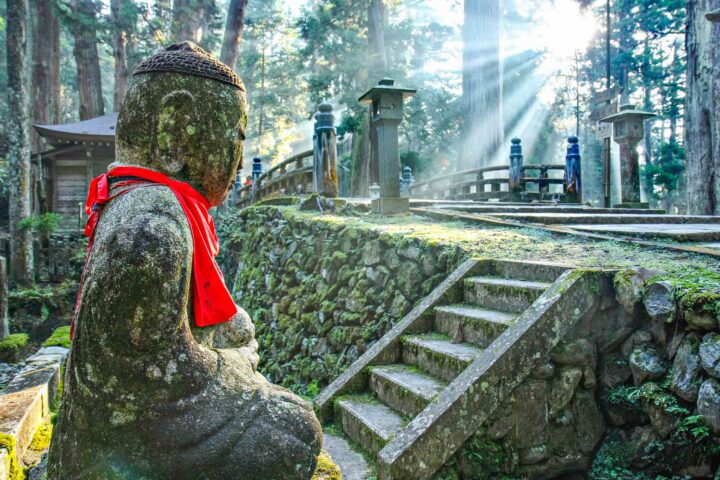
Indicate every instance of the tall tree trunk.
{"type": "Point", "coordinates": [45, 68]}
{"type": "Point", "coordinates": [190, 19]}
{"type": "Point", "coordinates": [627, 45]}
{"type": "Point", "coordinates": [119, 52]}
{"type": "Point", "coordinates": [233, 32]}
{"type": "Point", "coordinates": [377, 18]}
{"type": "Point", "coordinates": [702, 109]}
{"type": "Point", "coordinates": [365, 168]}
{"type": "Point", "coordinates": [21, 245]}
{"type": "Point", "coordinates": [183, 26]}
{"type": "Point", "coordinates": [482, 83]}
{"type": "Point", "coordinates": [89, 82]}
{"type": "Point", "coordinates": [261, 106]}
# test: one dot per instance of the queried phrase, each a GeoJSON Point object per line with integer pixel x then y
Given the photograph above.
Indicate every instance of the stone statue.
{"type": "Point", "coordinates": [148, 395]}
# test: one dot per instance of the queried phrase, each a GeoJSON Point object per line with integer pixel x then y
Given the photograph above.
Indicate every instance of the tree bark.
{"type": "Point", "coordinates": [702, 109]}
{"type": "Point", "coordinates": [120, 52]}
{"type": "Point", "coordinates": [86, 58]}
{"type": "Point", "coordinates": [365, 168]}
{"type": "Point", "coordinates": [233, 32]}
{"type": "Point", "coordinates": [190, 19]}
{"type": "Point", "coordinates": [21, 251]}
{"type": "Point", "coordinates": [45, 68]}
{"type": "Point", "coordinates": [482, 83]}
{"type": "Point", "coordinates": [377, 17]}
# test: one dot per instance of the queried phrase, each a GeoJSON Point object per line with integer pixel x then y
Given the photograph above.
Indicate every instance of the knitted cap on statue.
{"type": "Point", "coordinates": [148, 394]}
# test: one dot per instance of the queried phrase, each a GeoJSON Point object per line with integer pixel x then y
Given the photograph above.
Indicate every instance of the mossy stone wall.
{"type": "Point", "coordinates": [321, 292]}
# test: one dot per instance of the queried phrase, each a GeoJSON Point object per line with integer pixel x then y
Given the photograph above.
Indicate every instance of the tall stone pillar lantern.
{"type": "Point", "coordinates": [387, 112]}
{"type": "Point", "coordinates": [628, 130]}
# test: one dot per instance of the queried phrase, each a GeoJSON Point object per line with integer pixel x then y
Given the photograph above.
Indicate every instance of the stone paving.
{"type": "Point", "coordinates": [676, 232]}
{"type": "Point", "coordinates": [352, 464]}
{"type": "Point", "coordinates": [621, 222]}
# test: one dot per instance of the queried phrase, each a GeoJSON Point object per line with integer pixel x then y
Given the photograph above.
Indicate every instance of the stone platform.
{"type": "Point", "coordinates": [624, 223]}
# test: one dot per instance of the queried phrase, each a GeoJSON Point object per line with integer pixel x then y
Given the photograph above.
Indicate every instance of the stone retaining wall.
{"type": "Point", "coordinates": [320, 292]}
{"type": "Point", "coordinates": [25, 404]}
{"type": "Point", "coordinates": [633, 392]}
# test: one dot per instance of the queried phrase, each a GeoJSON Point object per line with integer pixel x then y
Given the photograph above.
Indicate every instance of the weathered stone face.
{"type": "Point", "coordinates": [189, 128]}
{"type": "Point", "coordinates": [147, 396]}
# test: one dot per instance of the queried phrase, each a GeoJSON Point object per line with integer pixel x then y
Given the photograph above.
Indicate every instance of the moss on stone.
{"type": "Point", "coordinates": [696, 289]}
{"type": "Point", "coordinates": [12, 345]}
{"type": "Point", "coordinates": [326, 468]}
{"type": "Point", "coordinates": [8, 442]}
{"type": "Point", "coordinates": [59, 338]}
{"type": "Point", "coordinates": [41, 439]}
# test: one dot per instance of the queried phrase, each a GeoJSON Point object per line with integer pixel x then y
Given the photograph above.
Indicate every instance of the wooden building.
{"type": "Point", "coordinates": [79, 151]}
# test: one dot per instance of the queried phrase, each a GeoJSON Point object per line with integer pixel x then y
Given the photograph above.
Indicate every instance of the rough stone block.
{"type": "Point", "coordinates": [709, 404]}
{"type": "Point", "coordinates": [531, 418]}
{"type": "Point", "coordinates": [710, 354]}
{"type": "Point", "coordinates": [390, 205]}
{"type": "Point", "coordinates": [563, 388]}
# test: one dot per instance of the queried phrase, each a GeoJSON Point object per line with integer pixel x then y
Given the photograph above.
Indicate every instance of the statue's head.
{"type": "Point", "coordinates": [184, 115]}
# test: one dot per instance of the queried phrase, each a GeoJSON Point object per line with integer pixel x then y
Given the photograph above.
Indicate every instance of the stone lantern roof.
{"type": "Point", "coordinates": [713, 16]}
{"type": "Point", "coordinates": [386, 85]}
{"type": "Point", "coordinates": [627, 111]}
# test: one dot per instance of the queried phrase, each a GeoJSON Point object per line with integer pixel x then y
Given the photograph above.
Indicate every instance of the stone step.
{"type": "Point", "coordinates": [524, 270]}
{"type": "Point", "coordinates": [437, 355]}
{"type": "Point", "coordinates": [368, 422]}
{"type": "Point", "coordinates": [525, 208]}
{"type": "Point", "coordinates": [679, 232]}
{"type": "Point", "coordinates": [404, 388]}
{"type": "Point", "coordinates": [478, 325]}
{"type": "Point", "coordinates": [602, 218]}
{"type": "Point", "coordinates": [503, 294]}
{"type": "Point", "coordinates": [351, 462]}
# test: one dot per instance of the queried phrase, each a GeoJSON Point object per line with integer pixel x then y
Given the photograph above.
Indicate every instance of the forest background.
{"type": "Point", "coordinates": [292, 55]}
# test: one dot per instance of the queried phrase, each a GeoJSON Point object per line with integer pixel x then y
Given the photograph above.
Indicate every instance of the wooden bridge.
{"type": "Point", "coordinates": [309, 171]}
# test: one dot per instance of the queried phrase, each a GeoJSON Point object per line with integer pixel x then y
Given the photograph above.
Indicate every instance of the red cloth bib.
{"type": "Point", "coordinates": [212, 301]}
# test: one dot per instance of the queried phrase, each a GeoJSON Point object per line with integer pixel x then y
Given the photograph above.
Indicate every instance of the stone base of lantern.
{"type": "Point", "coordinates": [390, 205]}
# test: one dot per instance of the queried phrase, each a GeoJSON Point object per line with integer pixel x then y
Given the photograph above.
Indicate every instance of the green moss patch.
{"type": "Point", "coordinates": [696, 289]}
{"type": "Point", "coordinates": [41, 439]}
{"type": "Point", "coordinates": [12, 346]}
{"type": "Point", "coordinates": [59, 338]}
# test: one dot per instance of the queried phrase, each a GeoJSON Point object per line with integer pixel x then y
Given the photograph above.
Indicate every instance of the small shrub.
{"type": "Point", "coordinates": [44, 224]}
{"type": "Point", "coordinates": [12, 347]}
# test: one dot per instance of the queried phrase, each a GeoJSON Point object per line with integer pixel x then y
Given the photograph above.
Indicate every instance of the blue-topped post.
{"type": "Point", "coordinates": [573, 176]}
{"type": "Point", "coordinates": [386, 102]}
{"type": "Point", "coordinates": [325, 179]}
{"type": "Point", "coordinates": [237, 185]}
{"type": "Point", "coordinates": [256, 174]}
{"type": "Point", "coordinates": [256, 168]}
{"type": "Point", "coordinates": [515, 185]}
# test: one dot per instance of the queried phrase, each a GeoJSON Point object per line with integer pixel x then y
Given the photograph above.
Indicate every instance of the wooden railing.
{"type": "Point", "coordinates": [486, 184]}
{"type": "Point", "coordinates": [293, 176]}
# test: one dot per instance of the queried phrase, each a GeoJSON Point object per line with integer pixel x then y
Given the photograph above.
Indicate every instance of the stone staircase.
{"type": "Point", "coordinates": [433, 361]}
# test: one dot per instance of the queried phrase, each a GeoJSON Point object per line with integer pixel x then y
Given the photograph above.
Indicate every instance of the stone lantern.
{"type": "Point", "coordinates": [387, 101]}
{"type": "Point", "coordinates": [628, 130]}
{"type": "Point", "coordinates": [713, 16]}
